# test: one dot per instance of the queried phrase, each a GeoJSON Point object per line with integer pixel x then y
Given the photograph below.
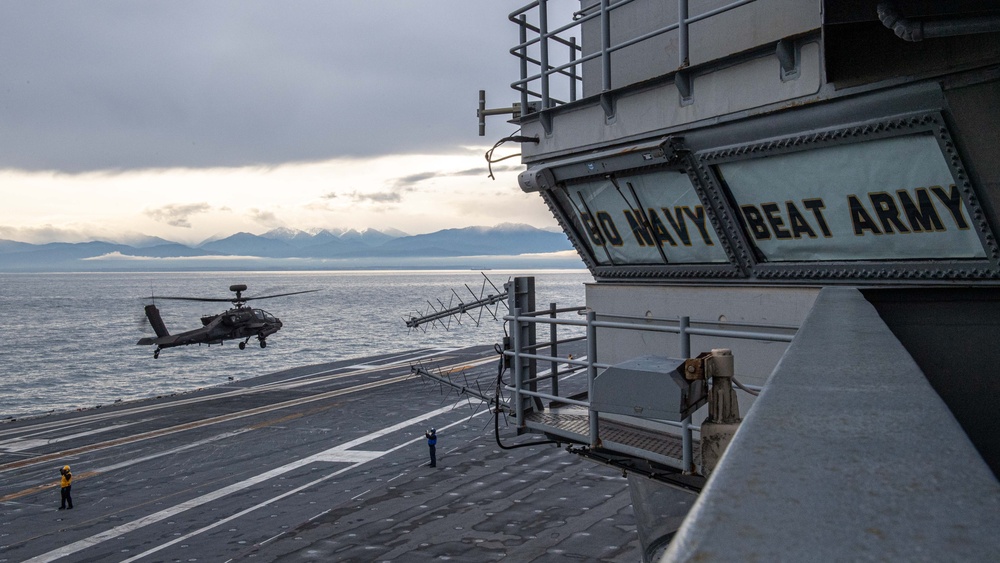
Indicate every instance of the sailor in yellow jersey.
{"type": "Point", "coordinates": [65, 484]}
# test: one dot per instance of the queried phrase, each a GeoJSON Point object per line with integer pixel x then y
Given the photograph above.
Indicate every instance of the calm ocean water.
{"type": "Point", "coordinates": [69, 340]}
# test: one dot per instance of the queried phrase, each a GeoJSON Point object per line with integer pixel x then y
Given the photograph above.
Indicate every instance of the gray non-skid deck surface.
{"type": "Point", "coordinates": [318, 463]}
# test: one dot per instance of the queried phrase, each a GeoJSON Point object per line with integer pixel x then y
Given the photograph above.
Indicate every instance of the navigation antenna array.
{"type": "Point", "coordinates": [456, 308]}
{"type": "Point", "coordinates": [448, 382]}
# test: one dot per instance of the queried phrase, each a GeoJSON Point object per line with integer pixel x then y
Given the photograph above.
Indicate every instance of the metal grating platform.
{"type": "Point", "coordinates": [615, 436]}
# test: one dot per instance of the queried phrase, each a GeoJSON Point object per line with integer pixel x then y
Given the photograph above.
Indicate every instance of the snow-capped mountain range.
{"type": "Point", "coordinates": [369, 245]}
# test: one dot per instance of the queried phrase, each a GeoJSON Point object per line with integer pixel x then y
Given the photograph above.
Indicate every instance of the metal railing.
{"type": "Point", "coordinates": [590, 363]}
{"type": "Point", "coordinates": [546, 41]}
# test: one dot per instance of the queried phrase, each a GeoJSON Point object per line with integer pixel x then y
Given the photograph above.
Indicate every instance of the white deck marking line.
{"type": "Point", "coordinates": [117, 531]}
{"type": "Point", "coordinates": [127, 463]}
{"type": "Point", "coordinates": [346, 456]}
{"type": "Point", "coordinates": [272, 538]}
{"type": "Point", "coordinates": [197, 424]}
{"type": "Point", "coordinates": [213, 420]}
{"type": "Point", "coordinates": [172, 451]}
{"type": "Point", "coordinates": [575, 373]}
{"type": "Point", "coordinates": [324, 513]}
{"type": "Point", "coordinates": [356, 497]}
{"type": "Point", "coordinates": [36, 430]}
{"type": "Point", "coordinates": [180, 402]}
{"type": "Point", "coordinates": [20, 444]}
{"type": "Point", "coordinates": [284, 495]}
{"type": "Point", "coordinates": [356, 369]}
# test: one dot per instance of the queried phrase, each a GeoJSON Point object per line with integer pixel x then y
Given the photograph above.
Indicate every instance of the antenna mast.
{"type": "Point", "coordinates": [483, 301]}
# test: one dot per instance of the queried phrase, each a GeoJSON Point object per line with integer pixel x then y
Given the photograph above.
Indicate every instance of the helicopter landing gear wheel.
{"type": "Point", "coordinates": [263, 343]}
{"type": "Point", "coordinates": [243, 345]}
{"type": "Point", "coordinates": [156, 353]}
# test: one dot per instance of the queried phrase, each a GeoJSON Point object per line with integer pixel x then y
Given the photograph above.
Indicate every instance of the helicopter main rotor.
{"type": "Point", "coordinates": [239, 300]}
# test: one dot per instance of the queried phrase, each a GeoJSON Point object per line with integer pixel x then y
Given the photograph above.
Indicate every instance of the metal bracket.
{"type": "Point", "coordinates": [707, 365]}
{"type": "Point", "coordinates": [546, 119]}
{"type": "Point", "coordinates": [684, 83]}
{"type": "Point", "coordinates": [788, 56]}
{"type": "Point", "coordinates": [608, 105]}
{"type": "Point", "coordinates": [695, 368]}
{"type": "Point", "coordinates": [481, 113]}
{"type": "Point", "coordinates": [675, 151]}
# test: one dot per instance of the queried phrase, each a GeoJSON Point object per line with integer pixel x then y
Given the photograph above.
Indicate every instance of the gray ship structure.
{"type": "Point", "coordinates": [788, 208]}
{"type": "Point", "coordinates": [788, 353]}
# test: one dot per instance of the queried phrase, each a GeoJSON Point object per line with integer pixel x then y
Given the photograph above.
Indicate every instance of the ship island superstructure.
{"type": "Point", "coordinates": [810, 189]}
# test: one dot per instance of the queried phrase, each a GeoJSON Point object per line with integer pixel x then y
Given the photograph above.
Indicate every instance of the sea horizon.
{"type": "Point", "coordinates": [71, 336]}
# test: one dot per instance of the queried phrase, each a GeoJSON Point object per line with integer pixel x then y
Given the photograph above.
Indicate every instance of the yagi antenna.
{"type": "Point", "coordinates": [484, 301]}
{"type": "Point", "coordinates": [462, 389]}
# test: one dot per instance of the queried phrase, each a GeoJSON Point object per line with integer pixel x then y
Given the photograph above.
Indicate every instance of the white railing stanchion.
{"type": "Point", "coordinates": [687, 439]}
{"type": "Point", "coordinates": [595, 439]}
{"type": "Point", "coordinates": [515, 335]}
{"type": "Point", "coordinates": [554, 349]}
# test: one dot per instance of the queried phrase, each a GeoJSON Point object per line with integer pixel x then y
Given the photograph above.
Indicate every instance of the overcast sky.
{"type": "Point", "coordinates": [190, 119]}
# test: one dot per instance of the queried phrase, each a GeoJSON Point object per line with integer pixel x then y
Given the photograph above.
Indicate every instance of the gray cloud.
{"type": "Point", "coordinates": [177, 215]}
{"type": "Point", "coordinates": [393, 196]}
{"type": "Point", "coordinates": [43, 234]}
{"type": "Point", "coordinates": [120, 85]}
{"type": "Point", "coordinates": [473, 172]}
{"type": "Point", "coordinates": [264, 217]}
{"type": "Point", "coordinates": [48, 233]}
{"type": "Point", "coordinates": [411, 179]}
{"type": "Point", "coordinates": [513, 167]}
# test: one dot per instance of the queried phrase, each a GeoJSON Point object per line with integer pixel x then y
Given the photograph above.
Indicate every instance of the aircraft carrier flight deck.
{"type": "Point", "coordinates": [326, 462]}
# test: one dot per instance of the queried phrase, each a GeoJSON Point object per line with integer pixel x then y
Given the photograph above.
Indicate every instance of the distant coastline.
{"type": "Point", "coordinates": [504, 246]}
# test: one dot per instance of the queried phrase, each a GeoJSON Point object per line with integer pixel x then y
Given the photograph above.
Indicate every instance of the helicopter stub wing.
{"type": "Point", "coordinates": [203, 335]}
{"type": "Point", "coordinates": [197, 336]}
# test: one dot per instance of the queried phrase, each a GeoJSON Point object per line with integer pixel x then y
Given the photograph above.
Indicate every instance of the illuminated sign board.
{"type": "Point", "coordinates": [642, 219]}
{"type": "Point", "coordinates": [885, 199]}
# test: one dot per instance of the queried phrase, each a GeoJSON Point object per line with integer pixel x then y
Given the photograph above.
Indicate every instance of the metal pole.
{"type": "Point", "coordinates": [482, 113]}
{"type": "Point", "coordinates": [515, 335]}
{"type": "Point", "coordinates": [572, 69]}
{"type": "Point", "coordinates": [685, 337]}
{"type": "Point", "coordinates": [523, 36]}
{"type": "Point", "coordinates": [554, 350]}
{"type": "Point", "coordinates": [606, 46]}
{"type": "Point", "coordinates": [550, 397]}
{"type": "Point", "coordinates": [524, 300]}
{"type": "Point", "coordinates": [595, 440]}
{"type": "Point", "coordinates": [543, 44]}
{"type": "Point", "coordinates": [686, 437]}
{"type": "Point", "coordinates": [682, 38]}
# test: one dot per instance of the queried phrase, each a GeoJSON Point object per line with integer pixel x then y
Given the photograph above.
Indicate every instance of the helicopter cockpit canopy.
{"type": "Point", "coordinates": [263, 315]}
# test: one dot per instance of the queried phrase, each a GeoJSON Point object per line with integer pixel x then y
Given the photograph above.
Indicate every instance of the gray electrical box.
{"type": "Point", "coordinates": [651, 387]}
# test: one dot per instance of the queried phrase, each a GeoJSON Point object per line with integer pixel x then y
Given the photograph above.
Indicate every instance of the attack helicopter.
{"type": "Point", "coordinates": [239, 323]}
